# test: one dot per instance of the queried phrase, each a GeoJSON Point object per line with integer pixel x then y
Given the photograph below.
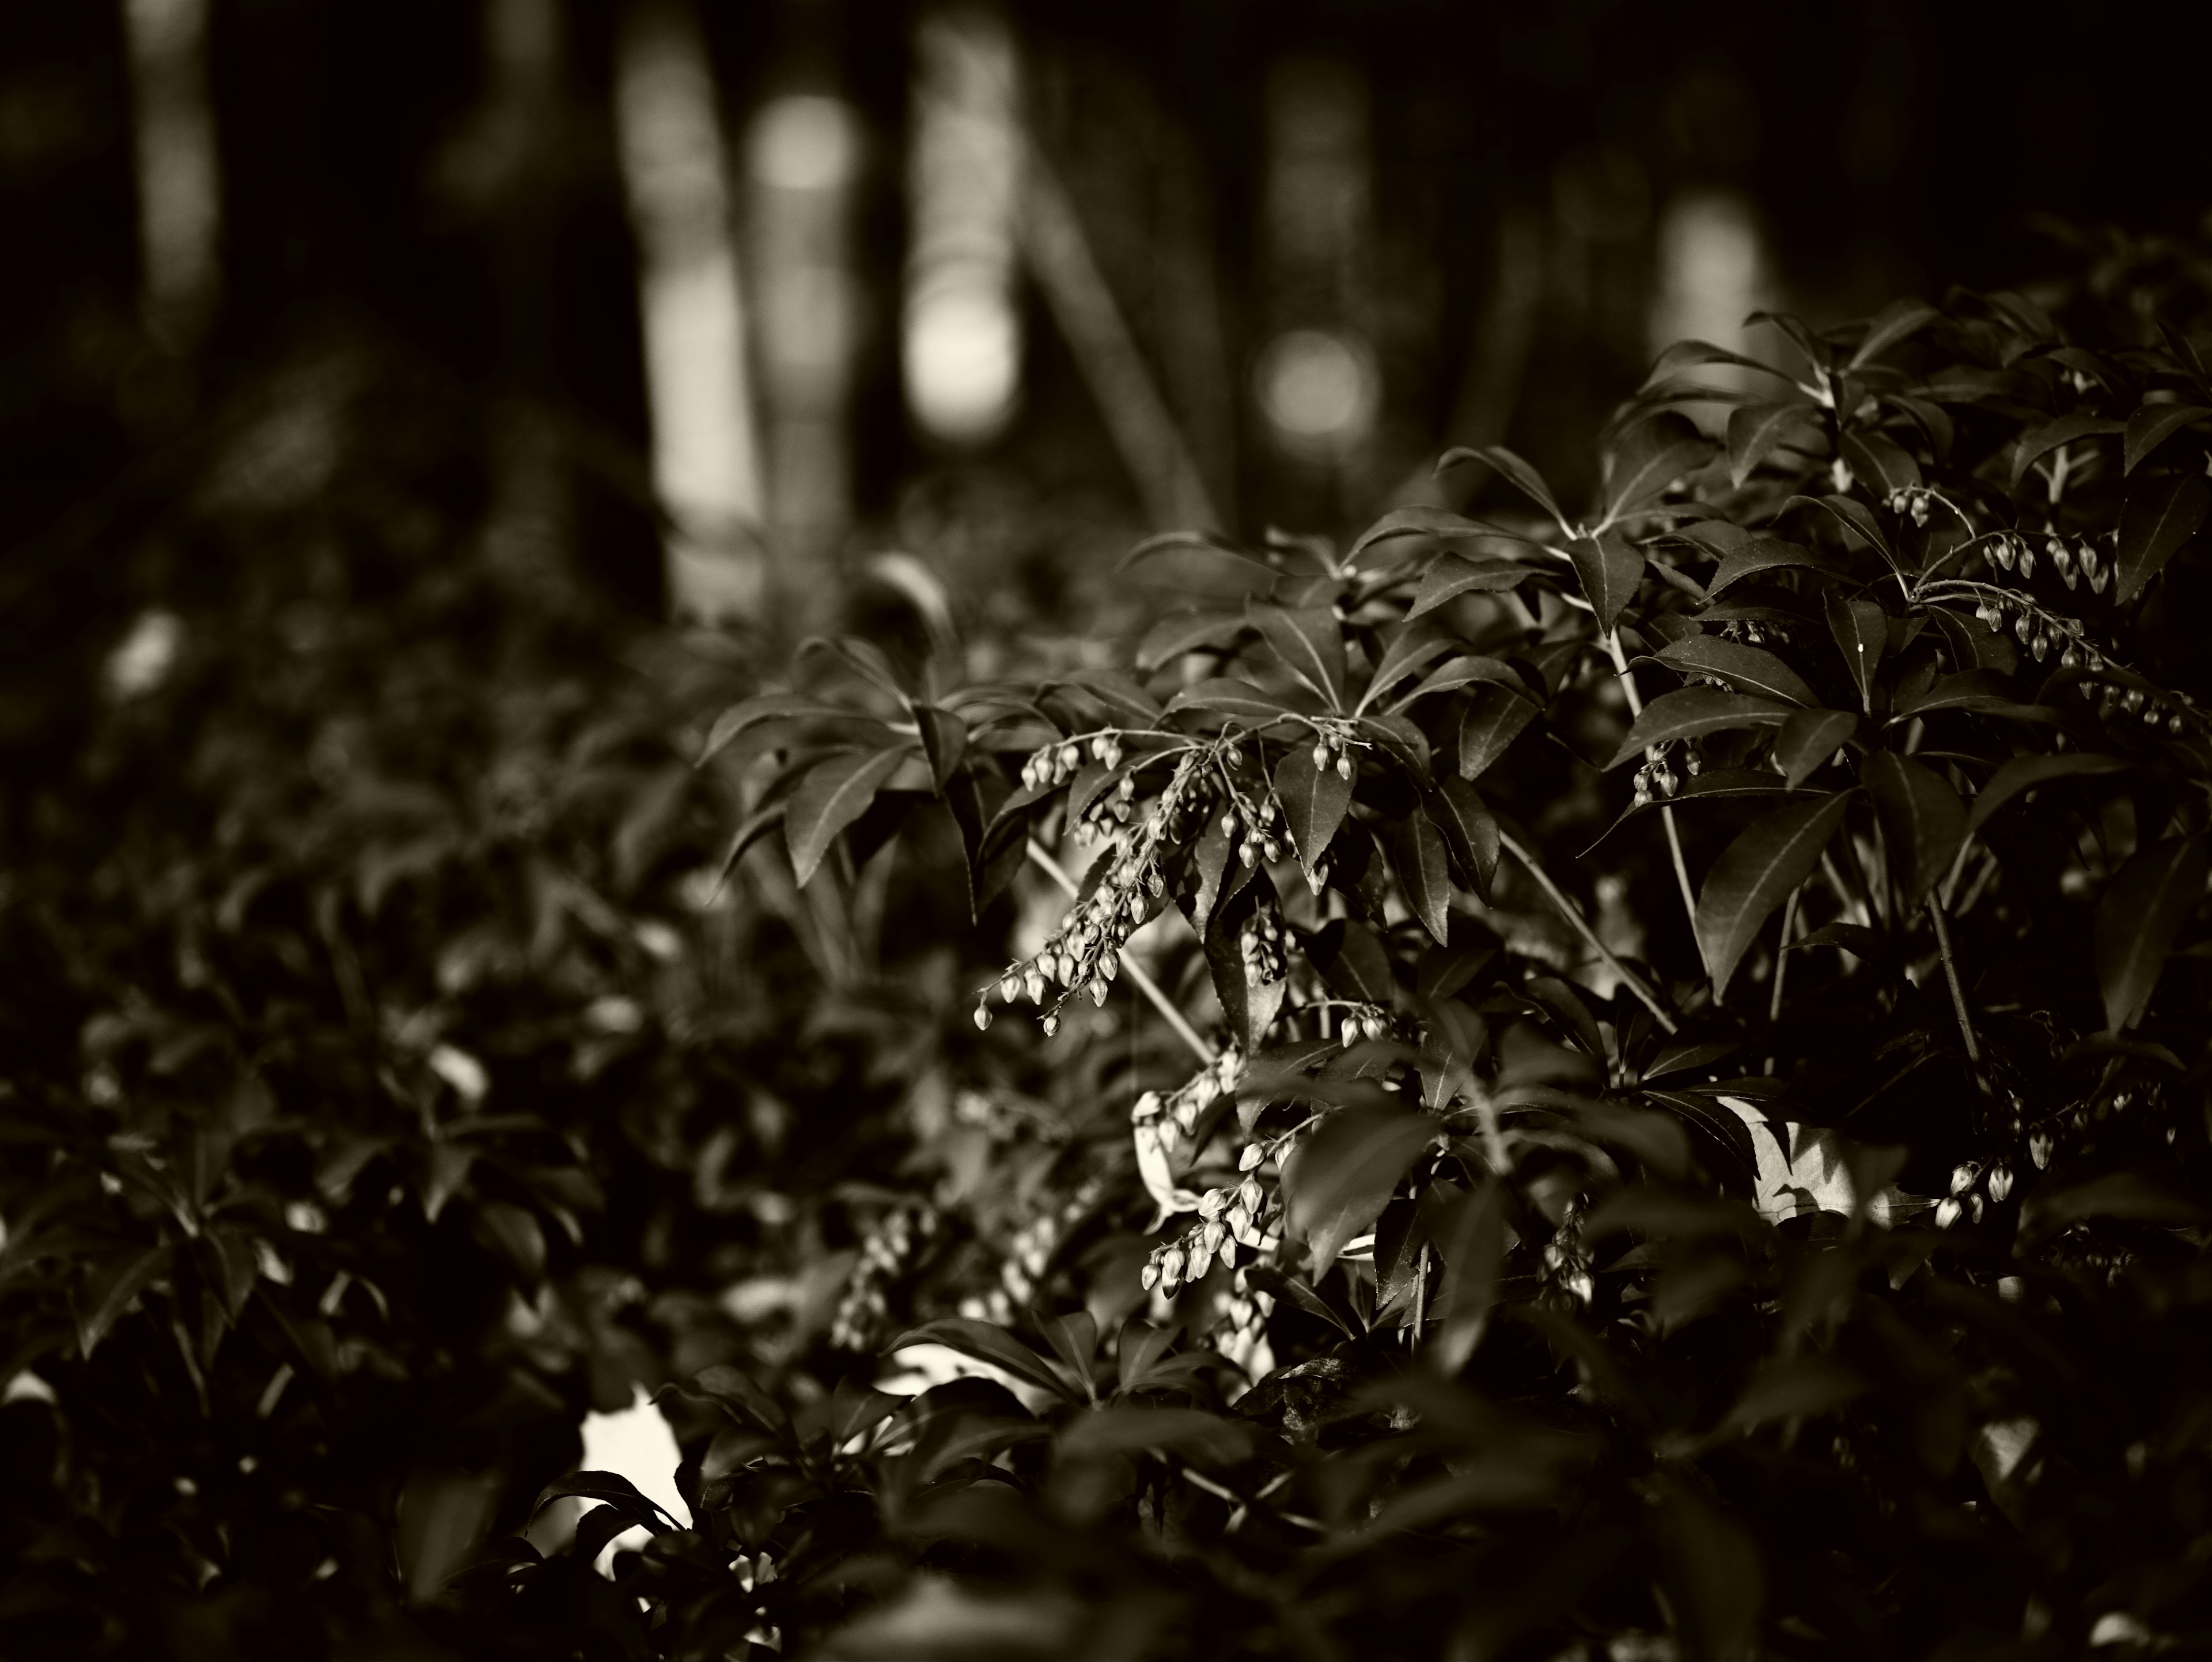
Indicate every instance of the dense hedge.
{"type": "Point", "coordinates": [1624, 1081]}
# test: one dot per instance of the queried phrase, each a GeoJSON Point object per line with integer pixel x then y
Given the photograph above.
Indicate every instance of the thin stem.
{"type": "Point", "coordinates": [1041, 857]}
{"type": "Point", "coordinates": [1782, 964]}
{"type": "Point", "coordinates": [1958, 992]}
{"type": "Point", "coordinates": [1634, 983]}
{"type": "Point", "coordinates": [1651, 754]}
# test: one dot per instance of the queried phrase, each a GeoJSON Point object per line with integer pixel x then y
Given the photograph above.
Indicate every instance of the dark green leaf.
{"type": "Point", "coordinates": [2117, 1194]}
{"type": "Point", "coordinates": [1309, 641]}
{"type": "Point", "coordinates": [1973, 644]}
{"type": "Point", "coordinates": [1407, 745]}
{"type": "Point", "coordinates": [1894, 323]}
{"type": "Point", "coordinates": [2160, 516]}
{"type": "Point", "coordinates": [1338, 1178]}
{"type": "Point", "coordinates": [1494, 718]}
{"type": "Point", "coordinates": [1190, 1434]}
{"type": "Point", "coordinates": [1755, 430]}
{"type": "Point", "coordinates": [1203, 542]}
{"type": "Point", "coordinates": [1352, 961]}
{"type": "Point", "coordinates": [1420, 520]}
{"type": "Point", "coordinates": [865, 658]}
{"type": "Point", "coordinates": [1800, 1387]}
{"type": "Point", "coordinates": [1755, 874]}
{"type": "Point", "coordinates": [2026, 772]}
{"type": "Point", "coordinates": [1120, 696]}
{"type": "Point", "coordinates": [1808, 739]}
{"type": "Point", "coordinates": [1856, 516]}
{"type": "Point", "coordinates": [944, 741]}
{"type": "Point", "coordinates": [615, 1490]}
{"type": "Point", "coordinates": [1530, 482]}
{"type": "Point", "coordinates": [1685, 354]}
{"type": "Point", "coordinates": [756, 825]}
{"type": "Point", "coordinates": [1922, 820]}
{"type": "Point", "coordinates": [1186, 631]}
{"type": "Point", "coordinates": [835, 793]}
{"type": "Point", "coordinates": [1466, 670]}
{"type": "Point", "coordinates": [2143, 907]}
{"type": "Point", "coordinates": [1410, 646]}
{"type": "Point", "coordinates": [2153, 424]}
{"type": "Point", "coordinates": [1314, 801]}
{"type": "Point", "coordinates": [1861, 629]}
{"type": "Point", "coordinates": [987, 1342]}
{"type": "Point", "coordinates": [1881, 460]}
{"type": "Point", "coordinates": [1468, 1229]}
{"type": "Point", "coordinates": [1610, 567]}
{"type": "Point", "coordinates": [1746, 668]}
{"type": "Point", "coordinates": [1419, 851]}
{"type": "Point", "coordinates": [1237, 699]}
{"type": "Point", "coordinates": [110, 1290]}
{"type": "Point", "coordinates": [1761, 554]}
{"type": "Point", "coordinates": [1652, 455]}
{"type": "Point", "coordinates": [1689, 711]}
{"type": "Point", "coordinates": [1470, 828]}
{"type": "Point", "coordinates": [772, 707]}
{"type": "Point", "coordinates": [1715, 1583]}
{"type": "Point", "coordinates": [1455, 574]}
{"type": "Point", "coordinates": [2066, 430]}
{"type": "Point", "coordinates": [1249, 1005]}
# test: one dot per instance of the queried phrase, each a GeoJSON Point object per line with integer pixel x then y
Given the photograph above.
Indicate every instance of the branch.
{"type": "Point", "coordinates": [1958, 992]}
{"type": "Point", "coordinates": [1634, 983]}
{"type": "Point", "coordinates": [1145, 984]}
{"type": "Point", "coordinates": [1651, 754]}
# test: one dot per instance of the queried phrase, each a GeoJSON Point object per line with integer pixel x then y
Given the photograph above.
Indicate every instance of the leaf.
{"type": "Point", "coordinates": [1609, 567]}
{"type": "Point", "coordinates": [1409, 647]}
{"type": "Point", "coordinates": [1186, 631]}
{"type": "Point", "coordinates": [1800, 1387]}
{"type": "Point", "coordinates": [1494, 718]}
{"type": "Point", "coordinates": [1689, 711]}
{"type": "Point", "coordinates": [1188, 1433]}
{"type": "Point", "coordinates": [1747, 668]}
{"type": "Point", "coordinates": [1761, 554]}
{"type": "Point", "coordinates": [987, 1342]}
{"type": "Point", "coordinates": [1471, 830]}
{"type": "Point", "coordinates": [2116, 1195]}
{"type": "Point", "coordinates": [865, 658]}
{"type": "Point", "coordinates": [1352, 961]}
{"type": "Point", "coordinates": [1853, 938]}
{"type": "Point", "coordinates": [1336, 1181]}
{"type": "Point", "coordinates": [1455, 574]}
{"type": "Point", "coordinates": [755, 826]}
{"type": "Point", "coordinates": [1855, 515]}
{"type": "Point", "coordinates": [1074, 1340]}
{"type": "Point", "coordinates": [1224, 696]}
{"type": "Point", "coordinates": [2153, 424]}
{"type": "Point", "coordinates": [1204, 542]}
{"type": "Point", "coordinates": [2160, 516]}
{"type": "Point", "coordinates": [1398, 734]}
{"type": "Point", "coordinates": [1315, 800]}
{"type": "Point", "coordinates": [1652, 455]}
{"type": "Point", "coordinates": [1808, 739]}
{"type": "Point", "coordinates": [1419, 851]}
{"type": "Point", "coordinates": [2023, 773]}
{"type": "Point", "coordinates": [1972, 644]}
{"type": "Point", "coordinates": [615, 1490]}
{"type": "Point", "coordinates": [1529, 481]}
{"type": "Point", "coordinates": [2143, 909]}
{"type": "Point", "coordinates": [835, 793]}
{"type": "Point", "coordinates": [1119, 695]}
{"type": "Point", "coordinates": [1715, 1581]}
{"type": "Point", "coordinates": [2066, 430]}
{"type": "Point", "coordinates": [1754, 430]}
{"type": "Point", "coordinates": [1685, 354]}
{"type": "Point", "coordinates": [1249, 1005]}
{"type": "Point", "coordinates": [1921, 818]}
{"type": "Point", "coordinates": [771, 707]}
{"type": "Point", "coordinates": [1420, 520]}
{"type": "Point", "coordinates": [1973, 689]}
{"type": "Point", "coordinates": [1466, 670]}
{"type": "Point", "coordinates": [112, 1288]}
{"type": "Point", "coordinates": [944, 741]}
{"type": "Point", "coordinates": [1894, 323]}
{"type": "Point", "coordinates": [1754, 873]}
{"type": "Point", "coordinates": [1310, 641]}
{"type": "Point", "coordinates": [1862, 631]}
{"type": "Point", "coordinates": [1875, 456]}
{"type": "Point", "coordinates": [1468, 1229]}
{"type": "Point", "coordinates": [1209, 859]}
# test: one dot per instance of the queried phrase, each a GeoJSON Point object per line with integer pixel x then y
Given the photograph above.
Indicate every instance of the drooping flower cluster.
{"type": "Point", "coordinates": [896, 1245]}
{"type": "Point", "coordinates": [1030, 1253]}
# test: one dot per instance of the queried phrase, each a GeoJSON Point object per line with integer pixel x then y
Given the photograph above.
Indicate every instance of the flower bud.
{"type": "Point", "coordinates": [2040, 1150]}
{"type": "Point", "coordinates": [2040, 646]}
{"type": "Point", "coordinates": [1033, 983]}
{"type": "Point", "coordinates": [1947, 1213]}
{"type": "Point", "coordinates": [983, 1018]}
{"type": "Point", "coordinates": [2089, 566]}
{"type": "Point", "coordinates": [2023, 627]}
{"type": "Point", "coordinates": [1344, 768]}
{"type": "Point", "coordinates": [1319, 757]}
{"type": "Point", "coordinates": [2173, 724]}
{"type": "Point", "coordinates": [1051, 1025]}
{"type": "Point", "coordinates": [1171, 1270]}
{"type": "Point", "coordinates": [1962, 1178]}
{"type": "Point", "coordinates": [1374, 1027]}
{"type": "Point", "coordinates": [1098, 990]}
{"type": "Point", "coordinates": [1209, 1239]}
{"type": "Point", "coordinates": [2002, 552]}
{"type": "Point", "coordinates": [1249, 1194]}
{"type": "Point", "coordinates": [2000, 1182]}
{"type": "Point", "coordinates": [1149, 1277]}
{"type": "Point", "coordinates": [1250, 1158]}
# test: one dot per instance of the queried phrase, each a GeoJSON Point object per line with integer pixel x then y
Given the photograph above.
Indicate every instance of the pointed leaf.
{"type": "Point", "coordinates": [112, 1289]}
{"type": "Point", "coordinates": [756, 825]}
{"type": "Point", "coordinates": [1862, 632]}
{"type": "Point", "coordinates": [771, 707]}
{"type": "Point", "coordinates": [1755, 874]}
{"type": "Point", "coordinates": [1494, 718]}
{"type": "Point", "coordinates": [1204, 542]}
{"type": "Point", "coordinates": [1687, 355]}
{"type": "Point", "coordinates": [1420, 520]}
{"type": "Point", "coordinates": [617, 1491]}
{"type": "Point", "coordinates": [1410, 646]}
{"type": "Point", "coordinates": [1419, 851]}
{"type": "Point", "coordinates": [1186, 631]}
{"type": "Point", "coordinates": [1879, 459]}
{"type": "Point", "coordinates": [1653, 454]}
{"type": "Point", "coordinates": [2040, 442]}
{"type": "Point", "coordinates": [1314, 801]}
{"type": "Point", "coordinates": [1921, 818]}
{"type": "Point", "coordinates": [1310, 641]}
{"type": "Point", "coordinates": [2143, 909]}
{"type": "Point", "coordinates": [2161, 515]}
{"type": "Point", "coordinates": [1466, 670]}
{"type": "Point", "coordinates": [1456, 574]}
{"type": "Point", "coordinates": [835, 793]}
{"type": "Point", "coordinates": [1808, 739]}
{"type": "Point", "coordinates": [1754, 430]}
{"type": "Point", "coordinates": [1761, 554]}
{"type": "Point", "coordinates": [2153, 424]}
{"type": "Point", "coordinates": [1893, 324]}
{"type": "Point", "coordinates": [944, 741]}
{"type": "Point", "coordinates": [1468, 1229]}
{"type": "Point", "coordinates": [1688, 712]}
{"type": "Point", "coordinates": [1337, 1179]}
{"type": "Point", "coordinates": [1238, 699]}
{"type": "Point", "coordinates": [1746, 668]}
{"type": "Point", "coordinates": [1120, 696]}
{"type": "Point", "coordinates": [1470, 830]}
{"type": "Point", "coordinates": [1074, 1340]}
{"type": "Point", "coordinates": [2025, 773]}
{"type": "Point", "coordinates": [1529, 481]}
{"type": "Point", "coordinates": [1855, 515]}
{"type": "Point", "coordinates": [1610, 567]}
{"type": "Point", "coordinates": [865, 658]}
{"type": "Point", "coordinates": [987, 1342]}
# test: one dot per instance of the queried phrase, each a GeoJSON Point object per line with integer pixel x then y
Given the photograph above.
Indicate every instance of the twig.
{"type": "Point", "coordinates": [1651, 754]}
{"type": "Point", "coordinates": [1573, 915]}
{"type": "Point", "coordinates": [1782, 964]}
{"type": "Point", "coordinates": [1958, 992]}
{"type": "Point", "coordinates": [1151, 989]}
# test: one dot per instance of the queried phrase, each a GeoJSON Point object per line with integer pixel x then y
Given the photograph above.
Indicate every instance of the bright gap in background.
{"type": "Point", "coordinates": [1318, 389]}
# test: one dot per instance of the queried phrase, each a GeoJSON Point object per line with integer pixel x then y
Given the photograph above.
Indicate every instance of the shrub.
{"type": "Point", "coordinates": [1695, 1142]}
